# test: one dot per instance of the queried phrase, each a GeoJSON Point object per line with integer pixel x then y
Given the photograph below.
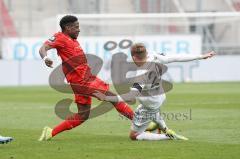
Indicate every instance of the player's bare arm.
{"type": "Point", "coordinates": [43, 53]}
{"type": "Point", "coordinates": [184, 58]}
{"type": "Point", "coordinates": [208, 55]}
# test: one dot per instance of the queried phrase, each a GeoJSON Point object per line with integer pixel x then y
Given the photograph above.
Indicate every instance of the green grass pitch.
{"type": "Point", "coordinates": [210, 119]}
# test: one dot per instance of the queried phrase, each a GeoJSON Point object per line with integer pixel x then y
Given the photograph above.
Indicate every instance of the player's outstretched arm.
{"type": "Point", "coordinates": [43, 53]}
{"type": "Point", "coordinates": [127, 97]}
{"type": "Point", "coordinates": [208, 55]}
{"type": "Point", "coordinates": [184, 58]}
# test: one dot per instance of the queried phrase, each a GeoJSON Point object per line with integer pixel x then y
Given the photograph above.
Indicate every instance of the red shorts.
{"type": "Point", "coordinates": [84, 84]}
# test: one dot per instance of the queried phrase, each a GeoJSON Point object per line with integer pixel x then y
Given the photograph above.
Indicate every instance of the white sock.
{"type": "Point", "coordinates": [152, 136]}
{"type": "Point", "coordinates": [162, 124]}
{"type": "Point", "coordinates": [160, 121]}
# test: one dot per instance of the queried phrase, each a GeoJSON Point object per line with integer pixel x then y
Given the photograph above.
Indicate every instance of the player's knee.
{"type": "Point", "coordinates": [84, 115]}
{"type": "Point", "coordinates": [133, 136]}
{"type": "Point", "coordinates": [84, 111]}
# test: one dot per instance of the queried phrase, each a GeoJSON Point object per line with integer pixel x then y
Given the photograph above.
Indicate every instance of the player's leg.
{"type": "Point", "coordinates": [93, 83]}
{"type": "Point", "coordinates": [137, 132]}
{"type": "Point", "coordinates": [160, 124]}
{"type": "Point", "coordinates": [122, 107]}
{"type": "Point", "coordinates": [147, 136]}
{"type": "Point", "coordinates": [4, 140]}
{"type": "Point", "coordinates": [97, 84]}
{"type": "Point", "coordinates": [153, 127]}
{"type": "Point", "coordinates": [163, 127]}
{"type": "Point", "coordinates": [140, 123]}
{"type": "Point", "coordinates": [71, 121]}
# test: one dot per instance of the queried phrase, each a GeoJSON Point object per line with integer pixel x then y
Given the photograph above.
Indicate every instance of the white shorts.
{"type": "Point", "coordinates": [142, 117]}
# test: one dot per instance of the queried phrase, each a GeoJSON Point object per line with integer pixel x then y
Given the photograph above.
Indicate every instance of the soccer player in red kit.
{"type": "Point", "coordinates": [67, 47]}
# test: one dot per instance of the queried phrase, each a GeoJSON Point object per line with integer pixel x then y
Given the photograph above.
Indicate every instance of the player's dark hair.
{"type": "Point", "coordinates": [66, 20]}
{"type": "Point", "coordinates": [138, 50]}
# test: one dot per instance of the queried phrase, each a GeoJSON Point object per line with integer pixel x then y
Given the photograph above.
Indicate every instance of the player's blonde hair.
{"type": "Point", "coordinates": [139, 50]}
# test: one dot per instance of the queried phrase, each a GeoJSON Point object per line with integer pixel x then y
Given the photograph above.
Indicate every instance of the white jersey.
{"type": "Point", "coordinates": [150, 83]}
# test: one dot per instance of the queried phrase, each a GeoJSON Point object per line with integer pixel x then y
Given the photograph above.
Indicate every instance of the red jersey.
{"type": "Point", "coordinates": [68, 48]}
{"type": "Point", "coordinates": [76, 69]}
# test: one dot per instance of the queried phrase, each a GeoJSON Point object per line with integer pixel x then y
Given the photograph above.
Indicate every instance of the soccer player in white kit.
{"type": "Point", "coordinates": [148, 90]}
{"type": "Point", "coordinates": [4, 140]}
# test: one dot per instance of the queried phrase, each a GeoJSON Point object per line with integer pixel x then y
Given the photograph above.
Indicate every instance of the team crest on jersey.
{"type": "Point", "coordinates": [52, 39]}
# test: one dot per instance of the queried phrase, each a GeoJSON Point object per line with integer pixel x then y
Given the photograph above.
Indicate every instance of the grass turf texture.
{"type": "Point", "coordinates": [213, 129]}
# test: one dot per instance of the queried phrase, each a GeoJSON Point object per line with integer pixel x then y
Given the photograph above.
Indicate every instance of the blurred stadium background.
{"type": "Point", "coordinates": [169, 26]}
